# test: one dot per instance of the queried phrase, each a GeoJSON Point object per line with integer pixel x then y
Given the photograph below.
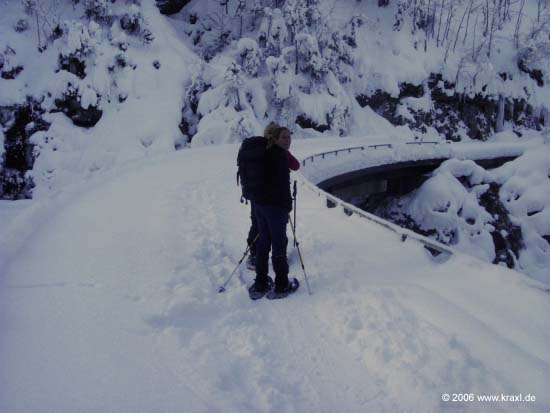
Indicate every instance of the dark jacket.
{"type": "Point", "coordinates": [277, 178]}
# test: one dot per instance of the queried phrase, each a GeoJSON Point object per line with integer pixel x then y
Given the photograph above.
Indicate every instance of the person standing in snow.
{"type": "Point", "coordinates": [253, 232]}
{"type": "Point", "coordinates": [272, 219]}
{"type": "Point", "coordinates": [294, 165]}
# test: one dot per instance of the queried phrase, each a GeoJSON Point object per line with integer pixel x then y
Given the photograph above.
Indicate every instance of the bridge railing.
{"type": "Point", "coordinates": [350, 209]}
{"type": "Point", "coordinates": [363, 148]}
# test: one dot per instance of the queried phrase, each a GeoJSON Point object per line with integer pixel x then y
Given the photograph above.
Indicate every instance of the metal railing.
{"type": "Point", "coordinates": [337, 151]}
{"type": "Point", "coordinates": [362, 148]}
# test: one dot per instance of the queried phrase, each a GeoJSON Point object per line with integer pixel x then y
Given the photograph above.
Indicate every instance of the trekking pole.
{"type": "Point", "coordinates": [299, 255]}
{"type": "Point", "coordinates": [294, 196]}
{"type": "Point", "coordinates": [222, 287]}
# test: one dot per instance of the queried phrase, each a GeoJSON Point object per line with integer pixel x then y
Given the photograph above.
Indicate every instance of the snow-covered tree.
{"type": "Point", "coordinates": [313, 12]}
{"type": "Point", "coordinates": [244, 126]}
{"type": "Point", "coordinates": [88, 97]}
{"type": "Point", "coordinates": [281, 79]}
{"type": "Point", "coordinates": [265, 27]}
{"type": "Point", "coordinates": [250, 55]}
{"type": "Point", "coordinates": [81, 39]}
{"type": "Point", "coordinates": [339, 118]}
{"type": "Point", "coordinates": [81, 103]}
{"type": "Point", "coordinates": [240, 14]}
{"type": "Point", "coordinates": [534, 59]}
{"type": "Point", "coordinates": [217, 35]}
{"type": "Point", "coordinates": [309, 59]}
{"type": "Point", "coordinates": [273, 33]}
{"type": "Point", "coordinates": [256, 13]}
{"type": "Point", "coordinates": [339, 57]}
{"type": "Point", "coordinates": [99, 10]}
{"type": "Point", "coordinates": [132, 21]}
{"type": "Point", "coordinates": [295, 15]}
{"type": "Point", "coordinates": [10, 65]}
{"type": "Point", "coordinates": [233, 82]}
{"type": "Point", "coordinates": [195, 89]}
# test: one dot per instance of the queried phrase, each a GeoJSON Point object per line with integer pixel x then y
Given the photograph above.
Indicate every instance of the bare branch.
{"type": "Point", "coordinates": [467, 11]}
{"type": "Point", "coordinates": [440, 19]}
{"type": "Point", "coordinates": [518, 24]}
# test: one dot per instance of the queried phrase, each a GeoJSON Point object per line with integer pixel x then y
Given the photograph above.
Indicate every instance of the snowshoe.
{"type": "Point", "coordinates": [258, 290]}
{"type": "Point", "coordinates": [277, 293]}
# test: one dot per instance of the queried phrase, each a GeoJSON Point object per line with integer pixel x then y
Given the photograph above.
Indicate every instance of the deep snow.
{"type": "Point", "coordinates": [112, 306]}
{"type": "Point", "coordinates": [109, 276]}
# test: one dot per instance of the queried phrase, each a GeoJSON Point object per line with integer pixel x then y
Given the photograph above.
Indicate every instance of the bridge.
{"type": "Point", "coordinates": [394, 169]}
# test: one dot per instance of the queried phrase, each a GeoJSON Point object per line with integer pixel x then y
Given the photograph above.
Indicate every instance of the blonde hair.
{"type": "Point", "coordinates": [269, 129]}
{"type": "Point", "coordinates": [270, 133]}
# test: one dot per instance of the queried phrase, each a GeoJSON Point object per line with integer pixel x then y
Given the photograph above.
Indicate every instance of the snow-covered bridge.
{"type": "Point", "coordinates": [365, 168]}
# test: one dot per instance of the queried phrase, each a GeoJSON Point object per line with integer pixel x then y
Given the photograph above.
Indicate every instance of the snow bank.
{"type": "Point", "coordinates": [444, 204]}
{"type": "Point", "coordinates": [226, 125]}
{"type": "Point", "coordinates": [525, 191]}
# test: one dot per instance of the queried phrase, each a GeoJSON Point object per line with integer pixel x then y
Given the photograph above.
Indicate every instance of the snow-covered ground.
{"type": "Point", "coordinates": [113, 306]}
{"type": "Point", "coordinates": [109, 277]}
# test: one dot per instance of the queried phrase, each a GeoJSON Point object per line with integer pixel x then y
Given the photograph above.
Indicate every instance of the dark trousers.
{"type": "Point", "coordinates": [253, 232]}
{"type": "Point", "coordinates": [272, 221]}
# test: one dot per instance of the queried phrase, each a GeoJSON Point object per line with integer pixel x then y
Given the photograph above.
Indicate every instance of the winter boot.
{"type": "Point", "coordinates": [260, 287]}
{"type": "Point", "coordinates": [282, 286]}
{"type": "Point", "coordinates": [282, 292]}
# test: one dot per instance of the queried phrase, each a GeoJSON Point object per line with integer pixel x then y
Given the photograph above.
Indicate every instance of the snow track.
{"type": "Point", "coordinates": [113, 307]}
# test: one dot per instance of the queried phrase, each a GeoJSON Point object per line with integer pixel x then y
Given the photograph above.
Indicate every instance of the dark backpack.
{"type": "Point", "coordinates": [251, 168]}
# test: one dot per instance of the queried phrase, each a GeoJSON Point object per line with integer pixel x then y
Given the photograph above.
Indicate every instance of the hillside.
{"type": "Point", "coordinates": [76, 76]}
